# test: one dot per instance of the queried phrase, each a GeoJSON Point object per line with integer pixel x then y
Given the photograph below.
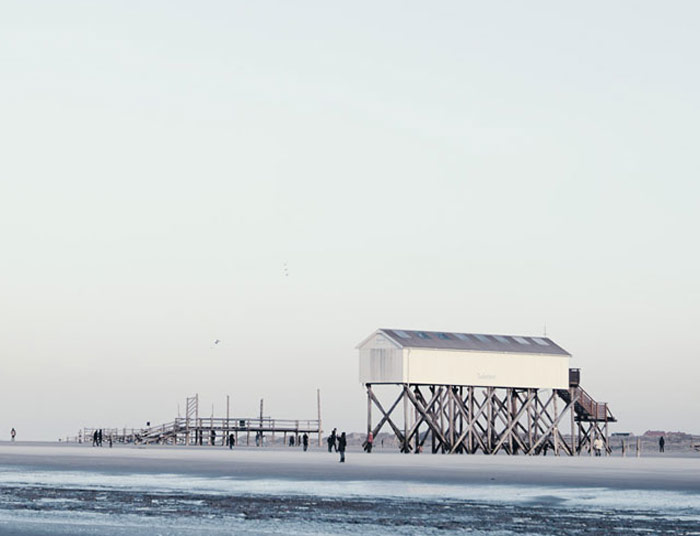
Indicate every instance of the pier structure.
{"type": "Point", "coordinates": [195, 430]}
{"type": "Point", "coordinates": [447, 392]}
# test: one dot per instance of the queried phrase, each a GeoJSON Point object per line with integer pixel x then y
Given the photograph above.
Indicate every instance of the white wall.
{"type": "Point", "coordinates": [487, 369]}
{"type": "Point", "coordinates": [381, 360]}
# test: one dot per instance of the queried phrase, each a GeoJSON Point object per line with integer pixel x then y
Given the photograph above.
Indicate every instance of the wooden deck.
{"type": "Point", "coordinates": [209, 431]}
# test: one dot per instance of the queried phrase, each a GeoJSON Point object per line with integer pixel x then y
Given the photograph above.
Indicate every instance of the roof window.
{"type": "Point", "coordinates": [443, 336]}
{"type": "Point", "coordinates": [402, 334]}
{"type": "Point", "coordinates": [539, 341]}
{"type": "Point", "coordinates": [423, 335]}
{"type": "Point", "coordinates": [461, 336]}
{"type": "Point", "coordinates": [483, 338]}
{"type": "Point", "coordinates": [522, 340]}
{"type": "Point", "coordinates": [501, 338]}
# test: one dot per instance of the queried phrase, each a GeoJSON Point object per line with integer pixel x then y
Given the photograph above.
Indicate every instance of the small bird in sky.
{"type": "Point", "coordinates": [217, 341]}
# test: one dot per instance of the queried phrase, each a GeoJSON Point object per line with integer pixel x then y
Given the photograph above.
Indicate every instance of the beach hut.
{"type": "Point", "coordinates": [467, 392]}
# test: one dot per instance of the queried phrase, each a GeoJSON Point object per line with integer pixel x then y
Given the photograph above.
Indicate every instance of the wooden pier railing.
{"type": "Point", "coordinates": [209, 431]}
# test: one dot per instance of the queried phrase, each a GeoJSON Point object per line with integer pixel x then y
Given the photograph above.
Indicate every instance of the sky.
{"type": "Point", "coordinates": [453, 166]}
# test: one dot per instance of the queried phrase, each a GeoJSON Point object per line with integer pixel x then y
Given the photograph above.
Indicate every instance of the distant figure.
{"type": "Point", "coordinates": [110, 440]}
{"type": "Point", "coordinates": [544, 449]}
{"type": "Point", "coordinates": [305, 441]}
{"type": "Point", "coordinates": [598, 446]}
{"type": "Point", "coordinates": [99, 437]}
{"type": "Point", "coordinates": [213, 437]}
{"type": "Point", "coordinates": [231, 441]}
{"type": "Point", "coordinates": [369, 442]}
{"type": "Point", "coordinates": [94, 438]}
{"type": "Point", "coordinates": [334, 439]}
{"type": "Point", "coordinates": [342, 443]}
{"type": "Point", "coordinates": [291, 441]}
{"type": "Point", "coordinates": [13, 434]}
{"type": "Point", "coordinates": [662, 442]}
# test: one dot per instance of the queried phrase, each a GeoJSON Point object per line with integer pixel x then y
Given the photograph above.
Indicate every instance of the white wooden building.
{"type": "Point", "coordinates": [468, 392]}
{"type": "Point", "coordinates": [446, 358]}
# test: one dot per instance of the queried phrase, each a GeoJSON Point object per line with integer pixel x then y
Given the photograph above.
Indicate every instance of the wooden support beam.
{"type": "Point", "coordinates": [507, 434]}
{"type": "Point", "coordinates": [552, 427]}
{"type": "Point", "coordinates": [437, 394]}
{"type": "Point", "coordinates": [386, 415]}
{"type": "Point", "coordinates": [555, 428]}
{"type": "Point", "coordinates": [428, 420]}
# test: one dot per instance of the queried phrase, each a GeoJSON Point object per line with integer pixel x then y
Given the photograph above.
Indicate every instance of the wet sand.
{"type": "Point", "coordinates": [676, 473]}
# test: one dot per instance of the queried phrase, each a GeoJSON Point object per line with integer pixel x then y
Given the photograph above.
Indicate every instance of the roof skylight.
{"type": "Point", "coordinates": [501, 338]}
{"type": "Point", "coordinates": [539, 341]}
{"type": "Point", "coordinates": [402, 334]}
{"type": "Point", "coordinates": [522, 340]}
{"type": "Point", "coordinates": [482, 338]}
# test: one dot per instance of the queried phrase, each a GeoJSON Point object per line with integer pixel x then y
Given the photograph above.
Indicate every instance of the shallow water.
{"type": "Point", "coordinates": [77, 502]}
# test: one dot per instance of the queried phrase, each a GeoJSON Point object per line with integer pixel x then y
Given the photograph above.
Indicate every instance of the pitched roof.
{"type": "Point", "coordinates": [444, 340]}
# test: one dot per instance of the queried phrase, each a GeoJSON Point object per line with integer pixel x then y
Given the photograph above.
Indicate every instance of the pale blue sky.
{"type": "Point", "coordinates": [481, 167]}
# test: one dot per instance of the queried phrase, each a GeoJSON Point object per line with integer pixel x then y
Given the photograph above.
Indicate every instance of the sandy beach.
{"type": "Point", "coordinates": [645, 473]}
{"type": "Point", "coordinates": [49, 489]}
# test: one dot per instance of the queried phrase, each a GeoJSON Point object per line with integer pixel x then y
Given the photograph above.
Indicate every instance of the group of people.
{"type": "Point", "coordinates": [97, 438]}
{"type": "Point", "coordinates": [337, 443]}
{"type": "Point", "coordinates": [304, 441]}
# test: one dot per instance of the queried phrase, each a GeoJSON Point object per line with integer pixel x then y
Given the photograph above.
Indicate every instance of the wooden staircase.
{"type": "Point", "coordinates": [586, 408]}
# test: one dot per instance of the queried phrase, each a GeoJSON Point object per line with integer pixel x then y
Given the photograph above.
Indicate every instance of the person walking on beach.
{"type": "Point", "coordinates": [342, 443]}
{"type": "Point", "coordinates": [598, 446]}
{"type": "Point", "coordinates": [99, 437]}
{"type": "Point", "coordinates": [369, 443]}
{"type": "Point", "coordinates": [662, 442]}
{"type": "Point", "coordinates": [231, 441]}
{"type": "Point", "coordinates": [94, 438]}
{"type": "Point", "coordinates": [305, 441]}
{"type": "Point", "coordinates": [13, 434]}
{"type": "Point", "coordinates": [332, 441]}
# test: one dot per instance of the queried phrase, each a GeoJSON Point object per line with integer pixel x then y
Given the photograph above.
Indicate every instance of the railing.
{"type": "Point", "coordinates": [182, 427]}
{"type": "Point", "coordinates": [596, 410]}
{"type": "Point", "coordinates": [252, 424]}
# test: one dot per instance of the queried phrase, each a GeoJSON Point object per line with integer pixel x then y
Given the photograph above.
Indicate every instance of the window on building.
{"type": "Point", "coordinates": [501, 338]}
{"type": "Point", "coordinates": [522, 340]}
{"type": "Point", "coordinates": [483, 338]}
{"type": "Point", "coordinates": [539, 341]}
{"type": "Point", "coordinates": [402, 334]}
